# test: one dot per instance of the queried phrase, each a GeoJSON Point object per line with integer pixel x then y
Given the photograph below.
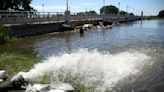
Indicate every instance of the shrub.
{"type": "Point", "coordinates": [161, 14]}
{"type": "Point", "coordinates": [3, 34]}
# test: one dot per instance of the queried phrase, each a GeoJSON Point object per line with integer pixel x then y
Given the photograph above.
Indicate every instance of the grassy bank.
{"type": "Point", "coordinates": [3, 34]}
{"type": "Point", "coordinates": [159, 18]}
{"type": "Point", "coordinates": [14, 62]}
{"type": "Point", "coordinates": [13, 57]}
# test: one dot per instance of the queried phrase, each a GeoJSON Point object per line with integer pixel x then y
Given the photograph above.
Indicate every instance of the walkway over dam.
{"type": "Point", "coordinates": [26, 23]}
{"type": "Point", "coordinates": [25, 17]}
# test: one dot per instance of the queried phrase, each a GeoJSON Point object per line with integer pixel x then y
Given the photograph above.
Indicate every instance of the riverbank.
{"type": "Point", "coordinates": [15, 61]}
{"type": "Point", "coordinates": [15, 56]}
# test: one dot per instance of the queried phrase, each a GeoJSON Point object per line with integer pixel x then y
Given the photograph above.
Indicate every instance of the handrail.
{"type": "Point", "coordinates": [21, 17]}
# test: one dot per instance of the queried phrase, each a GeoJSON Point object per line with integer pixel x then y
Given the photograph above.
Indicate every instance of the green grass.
{"type": "Point", "coordinates": [14, 62]}
{"type": "Point", "coordinates": [159, 18]}
{"type": "Point", "coordinates": [3, 34]}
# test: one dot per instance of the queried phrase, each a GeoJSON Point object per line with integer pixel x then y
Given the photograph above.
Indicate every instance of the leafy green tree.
{"type": "Point", "coordinates": [17, 5]}
{"type": "Point", "coordinates": [131, 14]}
{"type": "Point", "coordinates": [161, 14]}
{"type": "Point", "coordinates": [90, 12]}
{"type": "Point", "coordinates": [109, 9]}
{"type": "Point", "coordinates": [123, 13]}
{"type": "Point", "coordinates": [87, 12]}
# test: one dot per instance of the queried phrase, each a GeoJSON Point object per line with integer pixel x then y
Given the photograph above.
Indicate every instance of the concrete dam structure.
{"type": "Point", "coordinates": [29, 23]}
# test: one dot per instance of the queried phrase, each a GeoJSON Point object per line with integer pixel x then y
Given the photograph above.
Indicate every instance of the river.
{"type": "Point", "coordinates": [133, 35]}
{"type": "Point", "coordinates": [126, 58]}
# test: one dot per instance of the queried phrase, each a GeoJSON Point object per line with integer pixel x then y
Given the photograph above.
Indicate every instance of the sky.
{"type": "Point", "coordinates": [149, 7]}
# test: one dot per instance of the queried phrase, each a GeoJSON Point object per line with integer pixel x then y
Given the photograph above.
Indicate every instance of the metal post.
{"type": "Point", "coordinates": [43, 10]}
{"type": "Point", "coordinates": [57, 16]}
{"type": "Point", "coordinates": [133, 11]}
{"type": "Point", "coordinates": [43, 7]}
{"type": "Point", "coordinates": [103, 2]}
{"type": "Point", "coordinates": [127, 9]}
{"type": "Point", "coordinates": [67, 12]}
{"type": "Point", "coordinates": [66, 5]}
{"type": "Point", "coordinates": [119, 8]}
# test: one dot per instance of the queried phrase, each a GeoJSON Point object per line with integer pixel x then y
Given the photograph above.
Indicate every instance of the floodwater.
{"type": "Point", "coordinates": [126, 58]}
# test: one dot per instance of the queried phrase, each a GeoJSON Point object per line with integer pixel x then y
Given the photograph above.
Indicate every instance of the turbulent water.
{"type": "Point", "coordinates": [127, 58]}
{"type": "Point", "coordinates": [92, 69]}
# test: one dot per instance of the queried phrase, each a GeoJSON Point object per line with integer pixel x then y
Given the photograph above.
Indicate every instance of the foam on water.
{"type": "Point", "coordinates": [90, 68]}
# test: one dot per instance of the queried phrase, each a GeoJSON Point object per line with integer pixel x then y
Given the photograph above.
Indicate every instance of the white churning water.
{"type": "Point", "coordinates": [90, 68]}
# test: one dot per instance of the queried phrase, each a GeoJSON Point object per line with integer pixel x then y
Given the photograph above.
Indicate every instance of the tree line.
{"type": "Point", "coordinates": [108, 9]}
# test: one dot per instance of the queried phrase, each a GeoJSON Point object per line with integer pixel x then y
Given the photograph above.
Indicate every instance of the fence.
{"type": "Point", "coordinates": [26, 17]}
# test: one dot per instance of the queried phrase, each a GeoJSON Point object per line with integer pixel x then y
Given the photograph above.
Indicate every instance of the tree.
{"type": "Point", "coordinates": [161, 14]}
{"type": "Point", "coordinates": [123, 13]}
{"type": "Point", "coordinates": [90, 12]}
{"type": "Point", "coordinates": [17, 5]}
{"type": "Point", "coordinates": [131, 14]}
{"type": "Point", "coordinates": [109, 9]}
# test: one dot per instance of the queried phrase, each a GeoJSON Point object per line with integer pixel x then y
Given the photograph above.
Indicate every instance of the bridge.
{"type": "Point", "coordinates": [25, 23]}
{"type": "Point", "coordinates": [26, 17]}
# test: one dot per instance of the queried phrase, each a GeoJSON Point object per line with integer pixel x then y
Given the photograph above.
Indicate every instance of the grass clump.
{"type": "Point", "coordinates": [4, 34]}
{"type": "Point", "coordinates": [14, 62]}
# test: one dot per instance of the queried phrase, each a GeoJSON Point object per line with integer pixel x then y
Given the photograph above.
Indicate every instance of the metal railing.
{"type": "Point", "coordinates": [26, 17]}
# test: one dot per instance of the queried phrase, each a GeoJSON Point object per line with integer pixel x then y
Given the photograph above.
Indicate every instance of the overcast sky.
{"type": "Point", "coordinates": [150, 7]}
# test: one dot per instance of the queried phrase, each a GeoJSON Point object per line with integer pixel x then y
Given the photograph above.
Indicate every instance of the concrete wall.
{"type": "Point", "coordinates": [29, 30]}
{"type": "Point", "coordinates": [37, 29]}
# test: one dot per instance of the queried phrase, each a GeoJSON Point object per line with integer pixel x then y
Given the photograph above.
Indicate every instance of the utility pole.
{"type": "Point", "coordinates": [119, 8]}
{"type": "Point", "coordinates": [142, 14]}
{"type": "Point", "coordinates": [43, 7]}
{"type": "Point", "coordinates": [127, 9]}
{"type": "Point", "coordinates": [103, 2]}
{"type": "Point", "coordinates": [67, 12]}
{"type": "Point", "coordinates": [66, 5]}
{"type": "Point", "coordinates": [119, 5]}
{"type": "Point", "coordinates": [133, 11]}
